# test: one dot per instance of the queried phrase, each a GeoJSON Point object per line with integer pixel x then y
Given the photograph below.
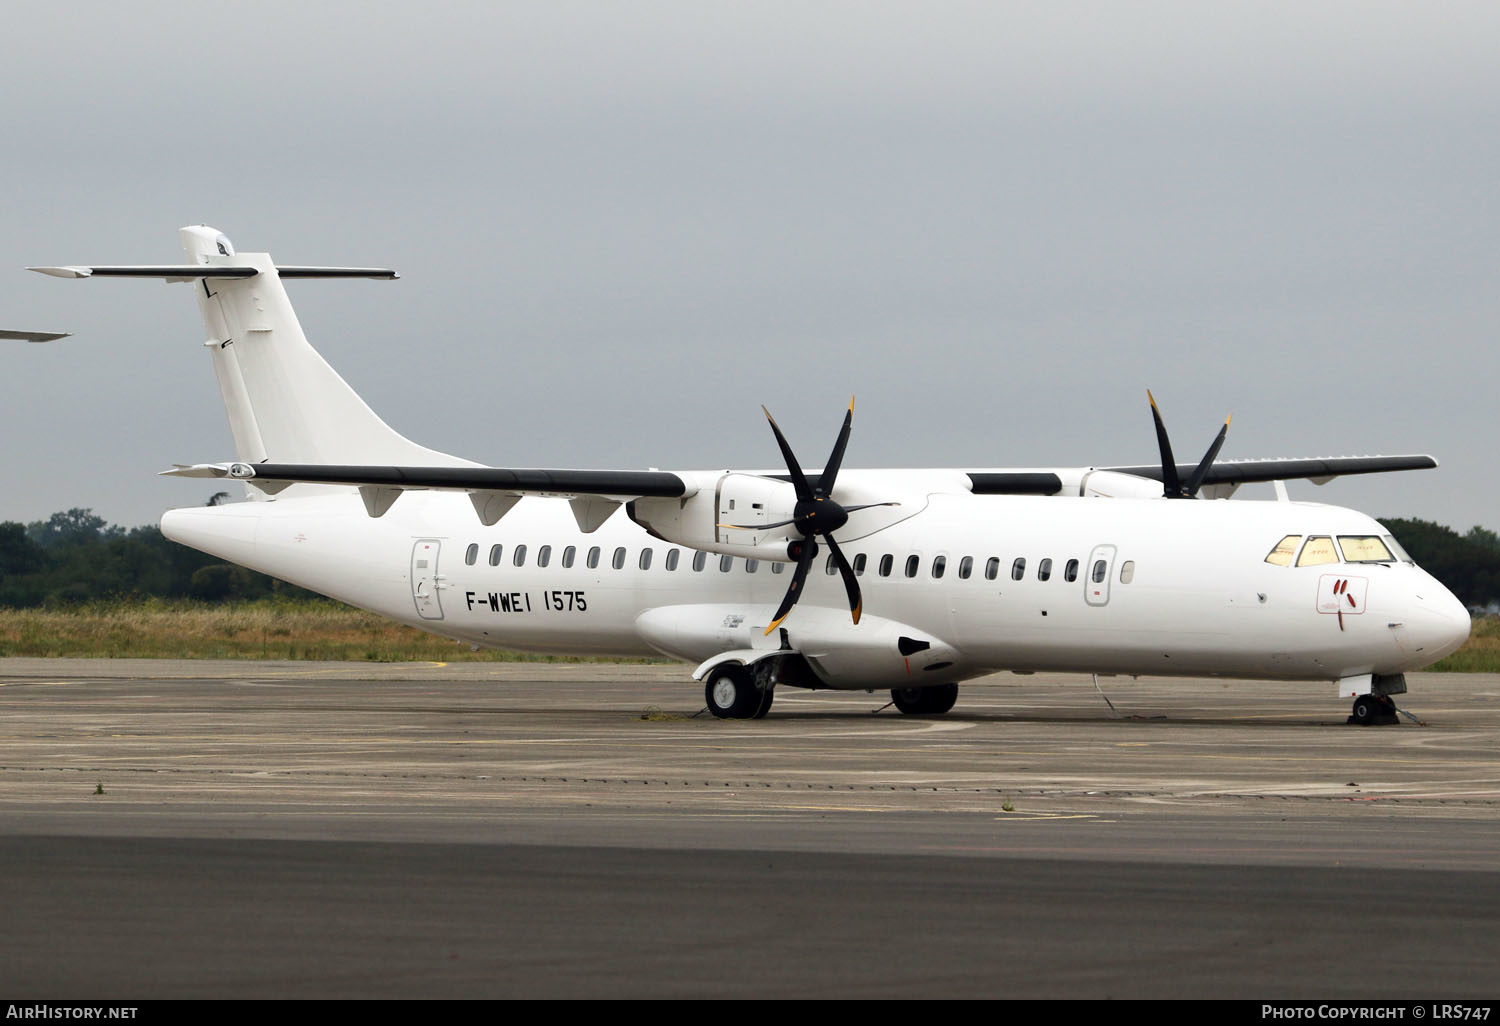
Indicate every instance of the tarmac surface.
{"type": "Point", "coordinates": [250, 829]}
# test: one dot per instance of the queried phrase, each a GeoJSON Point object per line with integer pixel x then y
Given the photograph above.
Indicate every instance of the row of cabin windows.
{"type": "Point", "coordinates": [884, 568]}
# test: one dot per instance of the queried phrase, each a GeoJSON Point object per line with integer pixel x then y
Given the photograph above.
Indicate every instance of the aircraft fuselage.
{"type": "Point", "coordinates": [986, 582]}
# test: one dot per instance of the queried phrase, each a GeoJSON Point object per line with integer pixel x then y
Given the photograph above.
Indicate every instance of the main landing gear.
{"type": "Point", "coordinates": [1373, 710]}
{"type": "Point", "coordinates": [732, 693]}
{"type": "Point", "coordinates": [930, 701]}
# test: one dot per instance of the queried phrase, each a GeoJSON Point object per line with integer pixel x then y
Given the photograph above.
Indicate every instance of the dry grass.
{"type": "Point", "coordinates": [1480, 654]}
{"type": "Point", "coordinates": [157, 629]}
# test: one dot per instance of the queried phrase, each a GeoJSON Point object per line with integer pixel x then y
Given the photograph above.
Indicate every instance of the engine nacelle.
{"type": "Point", "coordinates": [756, 501]}
{"type": "Point", "coordinates": [699, 521]}
{"type": "Point", "coordinates": [1110, 484]}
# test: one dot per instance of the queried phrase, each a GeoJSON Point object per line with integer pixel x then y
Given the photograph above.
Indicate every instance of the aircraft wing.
{"type": "Point", "coordinates": [1319, 471]}
{"type": "Point", "coordinates": [33, 336]}
{"type": "Point", "coordinates": [593, 494]}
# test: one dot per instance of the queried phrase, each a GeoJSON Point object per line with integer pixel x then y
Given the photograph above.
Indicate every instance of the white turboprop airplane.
{"type": "Point", "coordinates": [931, 577]}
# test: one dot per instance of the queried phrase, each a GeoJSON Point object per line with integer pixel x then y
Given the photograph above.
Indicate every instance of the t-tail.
{"type": "Point", "coordinates": [285, 403]}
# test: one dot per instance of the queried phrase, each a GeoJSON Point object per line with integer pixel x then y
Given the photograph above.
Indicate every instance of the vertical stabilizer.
{"type": "Point", "coordinates": [284, 402]}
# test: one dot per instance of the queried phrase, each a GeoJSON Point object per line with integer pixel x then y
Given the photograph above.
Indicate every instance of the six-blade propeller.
{"type": "Point", "coordinates": [816, 514]}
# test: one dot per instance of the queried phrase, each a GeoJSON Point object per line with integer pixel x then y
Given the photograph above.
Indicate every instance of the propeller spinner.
{"type": "Point", "coordinates": [1173, 487]}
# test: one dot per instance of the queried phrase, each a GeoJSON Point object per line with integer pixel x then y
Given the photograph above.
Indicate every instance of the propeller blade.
{"type": "Point", "coordinates": [851, 583]}
{"type": "Point", "coordinates": [794, 590]}
{"type": "Point", "coordinates": [831, 471]}
{"type": "Point", "coordinates": [799, 481]}
{"type": "Point", "coordinates": [1171, 483]}
{"type": "Point", "coordinates": [1196, 481]}
{"type": "Point", "coordinates": [755, 527]}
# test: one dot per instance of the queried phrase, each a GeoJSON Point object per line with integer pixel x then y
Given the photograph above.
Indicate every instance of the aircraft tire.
{"type": "Point", "coordinates": [929, 701]}
{"type": "Point", "coordinates": [731, 694]}
{"type": "Point", "coordinates": [1370, 710]}
{"type": "Point", "coordinates": [768, 695]}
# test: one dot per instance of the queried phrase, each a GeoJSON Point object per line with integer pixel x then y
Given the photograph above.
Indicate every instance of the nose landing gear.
{"type": "Point", "coordinates": [1373, 710]}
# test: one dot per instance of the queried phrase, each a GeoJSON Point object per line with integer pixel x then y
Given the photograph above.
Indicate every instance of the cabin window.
{"type": "Point", "coordinates": [618, 560]}
{"type": "Point", "coordinates": [1127, 571]}
{"type": "Point", "coordinates": [939, 566]}
{"type": "Point", "coordinates": [672, 557]}
{"type": "Point", "coordinates": [1364, 548]}
{"type": "Point", "coordinates": [471, 554]}
{"type": "Point", "coordinates": [593, 558]}
{"type": "Point", "coordinates": [568, 554]}
{"type": "Point", "coordinates": [992, 568]}
{"type": "Point", "coordinates": [1070, 572]}
{"type": "Point", "coordinates": [645, 561]}
{"type": "Point", "coordinates": [886, 562]}
{"type": "Point", "coordinates": [1285, 549]}
{"type": "Point", "coordinates": [777, 567]}
{"type": "Point", "coordinates": [831, 566]}
{"type": "Point", "coordinates": [519, 559]}
{"type": "Point", "coordinates": [912, 564]}
{"type": "Point", "coordinates": [752, 565]}
{"type": "Point", "coordinates": [1101, 570]}
{"type": "Point", "coordinates": [700, 560]}
{"type": "Point", "coordinates": [965, 567]}
{"type": "Point", "coordinates": [859, 565]}
{"type": "Point", "coordinates": [544, 555]}
{"type": "Point", "coordinates": [1044, 570]}
{"type": "Point", "coordinates": [1318, 550]}
{"type": "Point", "coordinates": [495, 555]}
{"type": "Point", "coordinates": [725, 562]}
{"type": "Point", "coordinates": [1018, 568]}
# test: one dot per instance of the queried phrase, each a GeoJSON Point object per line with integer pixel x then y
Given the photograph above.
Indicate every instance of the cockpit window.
{"type": "Point", "coordinates": [1285, 549]}
{"type": "Point", "coordinates": [1318, 550]}
{"type": "Point", "coordinates": [1364, 548]}
{"type": "Point", "coordinates": [1395, 547]}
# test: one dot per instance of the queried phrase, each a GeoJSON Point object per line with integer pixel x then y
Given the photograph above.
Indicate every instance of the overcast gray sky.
{"type": "Point", "coordinates": [621, 227]}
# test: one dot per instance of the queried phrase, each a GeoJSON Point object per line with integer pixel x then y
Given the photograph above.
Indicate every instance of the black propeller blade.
{"type": "Point", "coordinates": [1172, 485]}
{"type": "Point", "coordinates": [816, 515]}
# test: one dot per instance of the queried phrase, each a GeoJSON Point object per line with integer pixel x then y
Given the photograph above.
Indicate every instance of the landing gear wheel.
{"type": "Point", "coordinates": [930, 701]}
{"type": "Point", "coordinates": [768, 695]}
{"type": "Point", "coordinates": [1370, 710]}
{"type": "Point", "coordinates": [731, 693]}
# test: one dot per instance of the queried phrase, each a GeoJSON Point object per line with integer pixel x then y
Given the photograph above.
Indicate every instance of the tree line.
{"type": "Point", "coordinates": [75, 557]}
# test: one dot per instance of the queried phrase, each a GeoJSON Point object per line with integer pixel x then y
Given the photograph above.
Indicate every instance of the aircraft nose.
{"type": "Point", "coordinates": [1443, 621]}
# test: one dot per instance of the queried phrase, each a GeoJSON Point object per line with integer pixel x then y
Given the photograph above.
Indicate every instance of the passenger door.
{"type": "Point", "coordinates": [1096, 575]}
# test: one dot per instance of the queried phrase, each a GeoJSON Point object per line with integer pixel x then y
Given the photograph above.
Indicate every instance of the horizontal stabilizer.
{"type": "Point", "coordinates": [379, 273]}
{"type": "Point", "coordinates": [191, 272]}
{"type": "Point", "coordinates": [186, 272]}
{"type": "Point", "coordinates": [34, 336]}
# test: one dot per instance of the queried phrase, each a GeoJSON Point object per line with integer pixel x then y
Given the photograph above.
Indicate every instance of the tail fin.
{"type": "Point", "coordinates": [285, 403]}
{"type": "Point", "coordinates": [283, 399]}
